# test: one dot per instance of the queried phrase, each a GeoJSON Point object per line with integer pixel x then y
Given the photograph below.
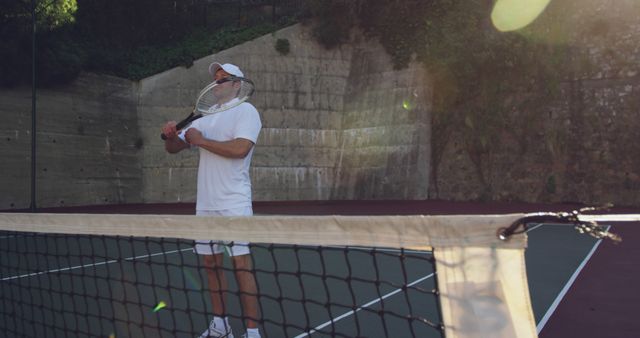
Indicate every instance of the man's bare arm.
{"type": "Point", "coordinates": [237, 148]}
{"type": "Point", "coordinates": [173, 143]}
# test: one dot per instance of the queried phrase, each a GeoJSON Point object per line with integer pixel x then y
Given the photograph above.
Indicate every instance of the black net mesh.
{"type": "Point", "coordinates": [54, 285]}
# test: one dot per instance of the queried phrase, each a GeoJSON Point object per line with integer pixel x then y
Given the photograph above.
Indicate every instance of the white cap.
{"type": "Point", "coordinates": [227, 67]}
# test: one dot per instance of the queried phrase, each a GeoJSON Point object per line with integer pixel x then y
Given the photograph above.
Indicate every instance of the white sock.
{"type": "Point", "coordinates": [253, 331]}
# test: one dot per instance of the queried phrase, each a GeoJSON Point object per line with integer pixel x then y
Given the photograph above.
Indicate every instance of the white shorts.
{"type": "Point", "coordinates": [211, 247]}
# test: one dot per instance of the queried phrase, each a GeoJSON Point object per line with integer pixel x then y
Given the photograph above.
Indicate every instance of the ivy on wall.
{"type": "Point", "coordinates": [486, 84]}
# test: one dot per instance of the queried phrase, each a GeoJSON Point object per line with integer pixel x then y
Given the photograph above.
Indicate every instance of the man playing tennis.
{"type": "Point", "coordinates": [225, 141]}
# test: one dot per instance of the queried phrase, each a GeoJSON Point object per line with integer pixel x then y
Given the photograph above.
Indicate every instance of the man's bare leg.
{"type": "Point", "coordinates": [217, 283]}
{"type": "Point", "coordinates": [248, 289]}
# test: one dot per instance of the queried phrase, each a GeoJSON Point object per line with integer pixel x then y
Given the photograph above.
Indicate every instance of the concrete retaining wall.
{"type": "Point", "coordinates": [334, 127]}
{"type": "Point", "coordinates": [88, 144]}
{"type": "Point", "coordinates": [327, 122]}
{"type": "Point", "coordinates": [339, 124]}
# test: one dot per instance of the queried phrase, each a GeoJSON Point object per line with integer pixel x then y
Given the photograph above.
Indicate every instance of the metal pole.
{"type": "Point", "coordinates": [273, 12]}
{"type": "Point", "coordinates": [33, 107]}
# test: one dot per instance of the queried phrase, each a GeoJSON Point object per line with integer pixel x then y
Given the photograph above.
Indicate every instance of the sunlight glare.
{"type": "Point", "coordinates": [510, 15]}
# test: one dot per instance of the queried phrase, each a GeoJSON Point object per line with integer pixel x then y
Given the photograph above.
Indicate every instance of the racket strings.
{"type": "Point", "coordinates": [213, 99]}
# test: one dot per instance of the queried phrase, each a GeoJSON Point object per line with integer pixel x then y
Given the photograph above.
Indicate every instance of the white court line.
{"type": "Point", "coordinates": [565, 289]}
{"type": "Point", "coordinates": [377, 300]}
{"type": "Point", "coordinates": [10, 234]}
{"type": "Point", "coordinates": [550, 224]}
{"type": "Point", "coordinates": [90, 265]}
{"type": "Point", "coordinates": [535, 227]}
{"type": "Point", "coordinates": [134, 258]}
{"type": "Point", "coordinates": [352, 312]}
{"type": "Point", "coordinates": [370, 249]}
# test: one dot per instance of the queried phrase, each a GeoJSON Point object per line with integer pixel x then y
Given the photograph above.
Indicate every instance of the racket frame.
{"type": "Point", "coordinates": [198, 113]}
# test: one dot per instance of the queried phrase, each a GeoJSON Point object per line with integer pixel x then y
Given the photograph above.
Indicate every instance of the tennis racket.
{"type": "Point", "coordinates": [218, 96]}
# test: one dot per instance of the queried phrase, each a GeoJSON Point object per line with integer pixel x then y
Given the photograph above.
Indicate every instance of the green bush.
{"type": "Point", "coordinates": [331, 20]}
{"type": "Point", "coordinates": [60, 59]}
{"type": "Point", "coordinates": [145, 61]}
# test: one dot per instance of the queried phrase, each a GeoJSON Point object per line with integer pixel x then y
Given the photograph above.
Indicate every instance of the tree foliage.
{"type": "Point", "coordinates": [126, 38]}
{"type": "Point", "coordinates": [331, 20]}
{"type": "Point", "coordinates": [57, 54]}
{"type": "Point", "coordinates": [127, 23]}
{"type": "Point", "coordinates": [55, 13]}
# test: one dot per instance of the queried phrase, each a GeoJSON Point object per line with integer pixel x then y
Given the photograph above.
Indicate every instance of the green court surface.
{"type": "Point", "coordinates": [145, 273]}
{"type": "Point", "coordinates": [554, 257]}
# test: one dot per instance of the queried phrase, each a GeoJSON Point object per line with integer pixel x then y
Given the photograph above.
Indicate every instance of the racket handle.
{"type": "Point", "coordinates": [183, 123]}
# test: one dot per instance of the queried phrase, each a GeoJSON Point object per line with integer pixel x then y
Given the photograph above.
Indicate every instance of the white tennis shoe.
{"type": "Point", "coordinates": [217, 332]}
{"type": "Point", "coordinates": [251, 335]}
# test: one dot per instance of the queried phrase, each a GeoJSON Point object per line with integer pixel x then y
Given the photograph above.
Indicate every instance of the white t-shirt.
{"type": "Point", "coordinates": [224, 183]}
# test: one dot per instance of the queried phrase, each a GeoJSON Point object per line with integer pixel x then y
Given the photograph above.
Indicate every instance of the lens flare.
{"type": "Point", "coordinates": [510, 15]}
{"type": "Point", "coordinates": [192, 282]}
{"type": "Point", "coordinates": [410, 102]}
{"type": "Point", "coordinates": [407, 104]}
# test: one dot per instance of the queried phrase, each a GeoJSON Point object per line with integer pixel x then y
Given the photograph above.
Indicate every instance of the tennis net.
{"type": "Point", "coordinates": [80, 275]}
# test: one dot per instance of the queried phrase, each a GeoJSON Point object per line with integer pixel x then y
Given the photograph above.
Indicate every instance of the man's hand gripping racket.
{"type": "Point", "coordinates": [218, 96]}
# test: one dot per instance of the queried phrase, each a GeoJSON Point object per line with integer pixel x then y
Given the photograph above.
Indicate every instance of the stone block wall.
{"type": "Point", "coordinates": [584, 148]}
